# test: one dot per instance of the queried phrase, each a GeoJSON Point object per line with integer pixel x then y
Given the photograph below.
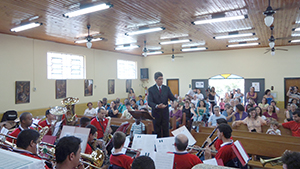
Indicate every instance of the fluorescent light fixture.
{"type": "Point", "coordinates": [236, 29]}
{"type": "Point", "coordinates": [230, 18]}
{"type": "Point", "coordinates": [85, 41]}
{"type": "Point", "coordinates": [153, 53]}
{"type": "Point", "coordinates": [174, 35]}
{"type": "Point", "coordinates": [153, 48]}
{"type": "Point", "coordinates": [26, 26]}
{"type": "Point", "coordinates": [242, 40]}
{"type": "Point", "coordinates": [298, 21]}
{"type": "Point", "coordinates": [295, 41]}
{"type": "Point", "coordinates": [296, 34]}
{"type": "Point", "coordinates": [87, 10]}
{"type": "Point", "coordinates": [193, 44]}
{"type": "Point", "coordinates": [243, 44]}
{"type": "Point", "coordinates": [126, 47]}
{"type": "Point", "coordinates": [175, 41]}
{"type": "Point", "coordinates": [235, 35]}
{"type": "Point", "coordinates": [296, 29]}
{"type": "Point", "coordinates": [144, 30]}
{"type": "Point", "coordinates": [193, 49]}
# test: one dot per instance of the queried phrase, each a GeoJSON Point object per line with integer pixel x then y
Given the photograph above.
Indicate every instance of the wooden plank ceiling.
{"type": "Point", "coordinates": [127, 15]}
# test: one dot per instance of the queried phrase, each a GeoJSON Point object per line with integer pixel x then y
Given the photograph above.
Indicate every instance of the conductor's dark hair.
{"type": "Point", "coordinates": [226, 130]}
{"type": "Point", "coordinates": [23, 116]}
{"type": "Point", "coordinates": [84, 120]}
{"type": "Point", "coordinates": [240, 107]}
{"type": "Point", "coordinates": [157, 75]}
{"type": "Point", "coordinates": [118, 139]}
{"type": "Point", "coordinates": [291, 159]}
{"type": "Point", "coordinates": [181, 146]}
{"type": "Point", "coordinates": [65, 146]}
{"type": "Point", "coordinates": [297, 111]}
{"type": "Point", "coordinates": [26, 136]}
{"type": "Point", "coordinates": [143, 162]}
{"type": "Point", "coordinates": [221, 121]}
{"type": "Point", "coordinates": [93, 129]}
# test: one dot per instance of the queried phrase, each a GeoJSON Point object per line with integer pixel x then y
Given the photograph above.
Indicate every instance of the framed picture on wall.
{"type": "Point", "coordinates": [128, 85]}
{"type": "Point", "coordinates": [111, 86]}
{"type": "Point", "coordinates": [88, 87]}
{"type": "Point", "coordinates": [60, 89]}
{"type": "Point", "coordinates": [22, 92]}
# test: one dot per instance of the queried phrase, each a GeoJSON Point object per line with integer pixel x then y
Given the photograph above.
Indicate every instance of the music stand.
{"type": "Point", "coordinates": [140, 114]}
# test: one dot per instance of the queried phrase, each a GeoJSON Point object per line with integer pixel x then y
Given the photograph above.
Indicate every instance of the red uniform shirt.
{"type": "Point", "coordinates": [225, 153]}
{"type": "Point", "coordinates": [121, 160]}
{"type": "Point", "coordinates": [293, 126]}
{"type": "Point", "coordinates": [88, 149]}
{"type": "Point", "coordinates": [218, 143]}
{"type": "Point", "coordinates": [43, 124]}
{"type": "Point", "coordinates": [100, 125]}
{"type": "Point", "coordinates": [15, 133]}
{"type": "Point", "coordinates": [185, 160]}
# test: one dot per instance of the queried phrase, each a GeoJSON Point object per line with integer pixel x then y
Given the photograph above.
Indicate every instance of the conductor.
{"type": "Point", "coordinates": [158, 101]}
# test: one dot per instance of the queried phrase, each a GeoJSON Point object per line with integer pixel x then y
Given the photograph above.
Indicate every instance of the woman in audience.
{"type": "Point", "coordinates": [239, 95]}
{"type": "Point", "coordinates": [240, 114]}
{"type": "Point", "coordinates": [134, 105]}
{"type": "Point", "coordinates": [142, 105]}
{"type": "Point", "coordinates": [294, 101]}
{"type": "Point", "coordinates": [188, 113]}
{"type": "Point", "coordinates": [289, 115]}
{"type": "Point", "coordinates": [90, 111]}
{"type": "Point", "coordinates": [199, 95]}
{"type": "Point", "coordinates": [260, 113]}
{"type": "Point", "coordinates": [268, 96]}
{"type": "Point", "coordinates": [113, 111]}
{"type": "Point", "coordinates": [271, 114]}
{"type": "Point", "coordinates": [293, 94]}
{"type": "Point", "coordinates": [200, 111]}
{"type": "Point", "coordinates": [131, 94]}
{"type": "Point", "coordinates": [254, 122]}
{"type": "Point", "coordinates": [176, 112]}
{"type": "Point", "coordinates": [227, 98]}
{"type": "Point", "coordinates": [232, 94]}
{"type": "Point", "coordinates": [263, 105]}
{"type": "Point", "coordinates": [212, 97]}
{"type": "Point", "coordinates": [252, 95]}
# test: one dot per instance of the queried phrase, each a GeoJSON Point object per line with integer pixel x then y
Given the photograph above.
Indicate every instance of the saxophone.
{"type": "Point", "coordinates": [107, 136]}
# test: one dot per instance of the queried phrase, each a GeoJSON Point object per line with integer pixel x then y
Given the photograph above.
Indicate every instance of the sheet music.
{"type": "Point", "coordinates": [185, 131]}
{"type": "Point", "coordinates": [145, 142]}
{"type": "Point", "coordinates": [241, 150]}
{"type": "Point", "coordinates": [56, 128]}
{"type": "Point", "coordinates": [165, 144]}
{"type": "Point", "coordinates": [3, 131]}
{"type": "Point", "coordinates": [164, 160]}
{"type": "Point", "coordinates": [212, 161]}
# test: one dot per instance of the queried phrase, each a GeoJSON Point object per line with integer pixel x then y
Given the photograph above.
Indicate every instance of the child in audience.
{"type": "Point", "coordinates": [222, 105]}
{"type": "Point", "coordinates": [274, 125]}
{"type": "Point", "coordinates": [137, 128]}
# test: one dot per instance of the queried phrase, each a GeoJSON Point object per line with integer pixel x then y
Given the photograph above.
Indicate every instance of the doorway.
{"type": "Point", "coordinates": [288, 82]}
{"type": "Point", "coordinates": [173, 85]}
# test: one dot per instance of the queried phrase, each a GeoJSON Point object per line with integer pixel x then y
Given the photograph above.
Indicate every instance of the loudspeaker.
{"type": "Point", "coordinates": [144, 73]}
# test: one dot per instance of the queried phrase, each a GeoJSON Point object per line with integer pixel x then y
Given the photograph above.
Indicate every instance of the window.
{"type": "Point", "coordinates": [126, 69]}
{"type": "Point", "coordinates": [65, 66]}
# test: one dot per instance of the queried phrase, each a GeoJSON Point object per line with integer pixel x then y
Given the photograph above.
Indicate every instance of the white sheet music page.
{"type": "Point", "coordinates": [3, 131]}
{"type": "Point", "coordinates": [185, 131]}
{"type": "Point", "coordinates": [164, 160]}
{"type": "Point", "coordinates": [212, 161]}
{"type": "Point", "coordinates": [56, 128]}
{"type": "Point", "coordinates": [145, 142]}
{"type": "Point", "coordinates": [165, 144]}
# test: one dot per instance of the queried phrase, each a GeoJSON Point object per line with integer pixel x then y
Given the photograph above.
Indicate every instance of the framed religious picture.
{"type": "Point", "coordinates": [22, 92]}
{"type": "Point", "coordinates": [128, 85]}
{"type": "Point", "coordinates": [60, 89]}
{"type": "Point", "coordinates": [88, 87]}
{"type": "Point", "coordinates": [111, 86]}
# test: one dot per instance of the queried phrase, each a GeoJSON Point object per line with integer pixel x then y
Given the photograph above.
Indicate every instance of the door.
{"type": "Point", "coordinates": [201, 84]}
{"type": "Point", "coordinates": [288, 82]}
{"type": "Point", "coordinates": [173, 85]}
{"type": "Point", "coordinates": [261, 84]}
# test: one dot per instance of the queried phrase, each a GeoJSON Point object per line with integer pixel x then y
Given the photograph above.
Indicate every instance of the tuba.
{"type": "Point", "coordinates": [96, 158]}
{"type": "Point", "coordinates": [58, 111]}
{"type": "Point", "coordinates": [107, 136]}
{"type": "Point", "coordinates": [69, 103]}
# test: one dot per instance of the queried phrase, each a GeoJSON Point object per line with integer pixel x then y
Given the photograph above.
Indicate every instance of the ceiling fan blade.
{"type": "Point", "coordinates": [282, 49]}
{"type": "Point", "coordinates": [268, 50]}
{"type": "Point", "coordinates": [283, 38]}
{"type": "Point", "coordinates": [178, 56]}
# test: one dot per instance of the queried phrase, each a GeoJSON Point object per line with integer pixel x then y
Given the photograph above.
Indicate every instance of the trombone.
{"type": "Point", "coordinates": [272, 161]}
{"type": "Point", "coordinates": [201, 149]}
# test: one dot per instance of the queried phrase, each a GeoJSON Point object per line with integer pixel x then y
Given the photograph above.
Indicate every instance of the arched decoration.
{"type": "Point", "coordinates": [227, 76]}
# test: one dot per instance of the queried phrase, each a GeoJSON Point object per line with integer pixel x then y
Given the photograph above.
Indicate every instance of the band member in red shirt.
{"type": "Point", "coordinates": [25, 123]}
{"type": "Point", "coordinates": [47, 122]}
{"type": "Point", "coordinates": [100, 122]}
{"type": "Point", "coordinates": [89, 146]}
{"type": "Point", "coordinates": [294, 126]}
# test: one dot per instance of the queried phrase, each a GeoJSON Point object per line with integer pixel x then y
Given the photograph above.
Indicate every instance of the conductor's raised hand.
{"type": "Point", "coordinates": [161, 106]}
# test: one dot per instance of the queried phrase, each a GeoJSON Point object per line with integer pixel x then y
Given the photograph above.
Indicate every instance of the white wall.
{"type": "Point", "coordinates": [248, 63]}
{"type": "Point", "coordinates": [25, 59]}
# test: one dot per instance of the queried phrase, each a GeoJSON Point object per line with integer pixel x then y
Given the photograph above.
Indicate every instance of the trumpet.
{"type": "Point", "coordinates": [4, 142]}
{"type": "Point", "coordinates": [272, 161]}
{"type": "Point", "coordinates": [201, 149]}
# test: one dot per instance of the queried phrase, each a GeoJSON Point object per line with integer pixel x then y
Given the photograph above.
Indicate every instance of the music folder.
{"type": "Point", "coordinates": [240, 152]}
{"type": "Point", "coordinates": [140, 114]}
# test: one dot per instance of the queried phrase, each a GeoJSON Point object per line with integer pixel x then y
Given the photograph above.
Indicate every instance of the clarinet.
{"type": "Point", "coordinates": [202, 153]}
{"type": "Point", "coordinates": [204, 144]}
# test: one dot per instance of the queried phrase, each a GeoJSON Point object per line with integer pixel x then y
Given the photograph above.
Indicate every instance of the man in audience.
{"type": "Point", "coordinates": [212, 121]}
{"type": "Point", "coordinates": [117, 158]}
{"type": "Point", "coordinates": [26, 121]}
{"type": "Point", "coordinates": [100, 122]}
{"type": "Point", "coordinates": [84, 121]}
{"type": "Point", "coordinates": [191, 92]}
{"type": "Point", "coordinates": [104, 100]}
{"type": "Point", "coordinates": [143, 162]}
{"type": "Point", "coordinates": [47, 122]}
{"type": "Point", "coordinates": [67, 153]}
{"type": "Point", "coordinates": [225, 153]}
{"type": "Point", "coordinates": [294, 126]}
{"type": "Point", "coordinates": [228, 112]}
{"type": "Point", "coordinates": [182, 158]}
{"type": "Point", "coordinates": [290, 160]}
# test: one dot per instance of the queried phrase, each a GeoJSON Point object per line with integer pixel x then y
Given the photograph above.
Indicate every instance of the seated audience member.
{"type": "Point", "coordinates": [195, 100]}
{"type": "Point", "coordinates": [90, 111]}
{"type": "Point", "coordinates": [271, 114]}
{"type": "Point", "coordinates": [143, 162]}
{"type": "Point", "coordinates": [201, 109]}
{"type": "Point", "coordinates": [113, 111]}
{"type": "Point", "coordinates": [208, 106]}
{"type": "Point", "coordinates": [225, 152]}
{"type": "Point", "coordinates": [222, 105]}
{"type": "Point", "coordinates": [228, 113]}
{"type": "Point", "coordinates": [273, 103]}
{"type": "Point", "coordinates": [289, 114]}
{"type": "Point", "coordinates": [105, 104]}
{"type": "Point", "coordinates": [191, 92]}
{"type": "Point", "coordinates": [239, 95]}
{"type": "Point", "coordinates": [126, 114]}
{"type": "Point", "coordinates": [260, 113]}
{"type": "Point", "coordinates": [263, 105]}
{"type": "Point", "coordinates": [293, 94]}
{"type": "Point", "coordinates": [91, 138]}
{"type": "Point", "coordinates": [84, 121]}
{"type": "Point", "coordinates": [67, 153]}
{"type": "Point", "coordinates": [131, 94]}
{"type": "Point", "coordinates": [212, 121]}
{"type": "Point", "coordinates": [117, 158]}
{"type": "Point", "coordinates": [134, 105]}
{"type": "Point", "coordinates": [176, 113]}
{"type": "Point", "coordinates": [142, 105]}
{"type": "Point", "coordinates": [182, 158]}
{"type": "Point", "coordinates": [137, 128]}
{"type": "Point", "coordinates": [240, 113]}
{"type": "Point", "coordinates": [236, 102]}
{"type": "Point", "coordinates": [250, 102]}
{"type": "Point", "coordinates": [199, 95]}
{"type": "Point", "coordinates": [268, 96]}
{"type": "Point", "coordinates": [274, 125]}
{"type": "Point", "coordinates": [120, 106]}
{"type": "Point", "coordinates": [295, 124]}
{"type": "Point", "coordinates": [187, 110]}
{"type": "Point", "coordinates": [47, 122]}
{"type": "Point", "coordinates": [138, 102]}
{"type": "Point", "coordinates": [252, 94]}
{"type": "Point", "coordinates": [227, 98]}
{"type": "Point", "coordinates": [290, 160]}
{"type": "Point", "coordinates": [181, 102]}
{"type": "Point", "coordinates": [100, 104]}
{"type": "Point", "coordinates": [26, 121]}
{"type": "Point", "coordinates": [253, 121]}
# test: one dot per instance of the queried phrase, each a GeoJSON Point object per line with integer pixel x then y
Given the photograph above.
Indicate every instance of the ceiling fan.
{"type": "Point", "coordinates": [272, 43]}
{"type": "Point", "coordinates": [273, 50]}
{"type": "Point", "coordinates": [269, 14]}
{"type": "Point", "coordinates": [145, 50]}
{"type": "Point", "coordinates": [89, 38]}
{"type": "Point", "coordinates": [173, 56]}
